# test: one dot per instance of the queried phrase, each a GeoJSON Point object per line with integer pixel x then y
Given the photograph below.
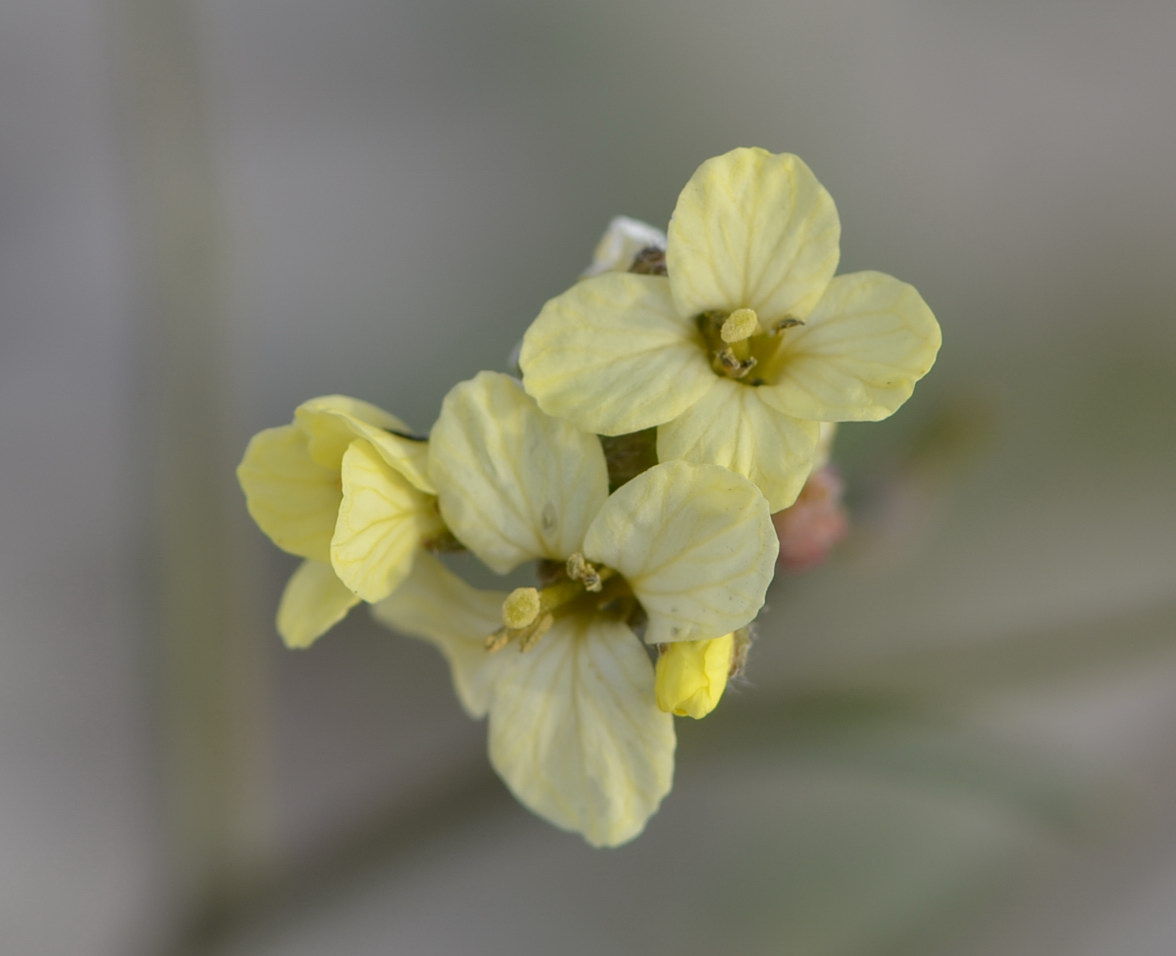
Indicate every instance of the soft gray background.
{"type": "Point", "coordinates": [957, 734]}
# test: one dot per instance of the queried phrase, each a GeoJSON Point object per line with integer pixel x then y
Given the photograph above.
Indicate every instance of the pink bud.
{"type": "Point", "coordinates": [817, 521]}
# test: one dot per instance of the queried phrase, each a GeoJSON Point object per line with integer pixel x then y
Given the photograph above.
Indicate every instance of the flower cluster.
{"type": "Point", "coordinates": [670, 403]}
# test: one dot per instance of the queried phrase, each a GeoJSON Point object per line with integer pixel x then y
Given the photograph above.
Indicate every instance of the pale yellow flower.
{"type": "Point", "coordinates": [748, 343]}
{"type": "Point", "coordinates": [345, 487]}
{"type": "Point", "coordinates": [575, 730]}
{"type": "Point", "coordinates": [692, 543]}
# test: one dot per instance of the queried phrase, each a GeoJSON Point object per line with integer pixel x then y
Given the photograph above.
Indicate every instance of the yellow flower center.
{"type": "Point", "coordinates": [739, 342]}
{"type": "Point", "coordinates": [529, 613]}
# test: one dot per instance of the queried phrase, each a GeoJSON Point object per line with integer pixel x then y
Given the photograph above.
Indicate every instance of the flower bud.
{"type": "Point", "coordinates": [811, 527]}
{"type": "Point", "coordinates": [691, 675]}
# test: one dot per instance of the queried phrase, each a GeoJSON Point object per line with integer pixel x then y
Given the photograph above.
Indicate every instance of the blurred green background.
{"type": "Point", "coordinates": [956, 736]}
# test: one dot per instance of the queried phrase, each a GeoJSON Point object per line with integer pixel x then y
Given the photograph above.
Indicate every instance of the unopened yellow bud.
{"type": "Point", "coordinates": [691, 675]}
{"type": "Point", "coordinates": [739, 325]}
{"type": "Point", "coordinates": [520, 608]}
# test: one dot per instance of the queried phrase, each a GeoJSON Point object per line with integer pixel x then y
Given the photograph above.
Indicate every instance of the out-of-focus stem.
{"type": "Point", "coordinates": [209, 678]}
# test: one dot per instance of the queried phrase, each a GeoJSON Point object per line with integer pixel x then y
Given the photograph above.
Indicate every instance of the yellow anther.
{"type": "Point", "coordinates": [739, 325]}
{"type": "Point", "coordinates": [521, 608]}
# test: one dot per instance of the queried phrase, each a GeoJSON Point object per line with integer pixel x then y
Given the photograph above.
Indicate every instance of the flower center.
{"type": "Point", "coordinates": [738, 343]}
{"type": "Point", "coordinates": [529, 613]}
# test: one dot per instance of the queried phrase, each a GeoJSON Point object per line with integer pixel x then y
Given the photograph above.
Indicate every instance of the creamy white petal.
{"type": "Point", "coordinates": [734, 428]}
{"type": "Point", "coordinates": [313, 602]}
{"type": "Point", "coordinates": [755, 230]}
{"type": "Point", "coordinates": [436, 605]}
{"type": "Point", "coordinates": [293, 498]}
{"type": "Point", "coordinates": [860, 353]}
{"type": "Point", "coordinates": [514, 484]}
{"type": "Point", "coordinates": [613, 355]}
{"type": "Point", "coordinates": [696, 544]}
{"type": "Point", "coordinates": [383, 521]}
{"type": "Point", "coordinates": [576, 734]}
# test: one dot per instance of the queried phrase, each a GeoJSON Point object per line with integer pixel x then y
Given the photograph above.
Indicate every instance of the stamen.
{"type": "Point", "coordinates": [498, 640]}
{"type": "Point", "coordinates": [520, 608]}
{"type": "Point", "coordinates": [529, 613]}
{"type": "Point", "coordinates": [580, 570]}
{"type": "Point", "coordinates": [530, 637]}
{"type": "Point", "coordinates": [783, 324]}
{"type": "Point", "coordinates": [739, 325]}
{"type": "Point", "coordinates": [733, 365]}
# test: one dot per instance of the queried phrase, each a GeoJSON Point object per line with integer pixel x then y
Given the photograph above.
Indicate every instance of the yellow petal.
{"type": "Point", "coordinates": [383, 522]}
{"type": "Point", "coordinates": [514, 484]}
{"type": "Point", "coordinates": [409, 456]}
{"type": "Point", "coordinates": [752, 230]}
{"type": "Point", "coordinates": [733, 427]}
{"type": "Point", "coordinates": [696, 544]}
{"type": "Point", "coordinates": [692, 675]}
{"type": "Point", "coordinates": [329, 422]}
{"type": "Point", "coordinates": [313, 602]}
{"type": "Point", "coordinates": [332, 422]}
{"type": "Point", "coordinates": [575, 732]}
{"type": "Point", "coordinates": [613, 355]}
{"type": "Point", "coordinates": [859, 354]}
{"type": "Point", "coordinates": [293, 498]}
{"type": "Point", "coordinates": [436, 605]}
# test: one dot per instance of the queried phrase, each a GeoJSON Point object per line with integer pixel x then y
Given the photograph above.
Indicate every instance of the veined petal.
{"type": "Point", "coordinates": [332, 422]}
{"type": "Point", "coordinates": [859, 354]}
{"type": "Point", "coordinates": [734, 428]}
{"type": "Point", "coordinates": [754, 230]}
{"type": "Point", "coordinates": [613, 355]}
{"type": "Point", "coordinates": [313, 602]}
{"type": "Point", "coordinates": [575, 732]}
{"type": "Point", "coordinates": [329, 422]}
{"type": "Point", "coordinates": [696, 544]}
{"type": "Point", "coordinates": [437, 606]}
{"type": "Point", "coordinates": [293, 498]}
{"type": "Point", "coordinates": [514, 484]}
{"type": "Point", "coordinates": [409, 456]}
{"type": "Point", "coordinates": [383, 521]}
